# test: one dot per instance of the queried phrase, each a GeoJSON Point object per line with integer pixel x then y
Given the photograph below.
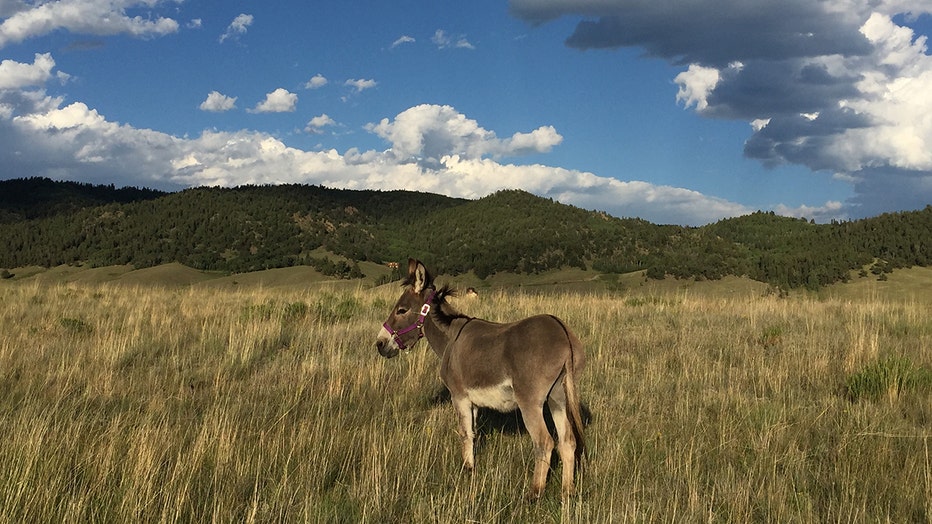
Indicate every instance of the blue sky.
{"type": "Point", "coordinates": [673, 111]}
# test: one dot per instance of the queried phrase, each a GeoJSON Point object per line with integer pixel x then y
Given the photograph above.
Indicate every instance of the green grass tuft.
{"type": "Point", "coordinates": [889, 378]}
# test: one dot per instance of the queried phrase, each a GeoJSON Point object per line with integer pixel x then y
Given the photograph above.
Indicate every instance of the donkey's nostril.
{"type": "Point", "coordinates": [386, 348]}
{"type": "Point", "coordinates": [382, 347]}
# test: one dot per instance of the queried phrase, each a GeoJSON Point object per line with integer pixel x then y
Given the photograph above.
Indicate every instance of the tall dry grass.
{"type": "Point", "coordinates": [163, 405]}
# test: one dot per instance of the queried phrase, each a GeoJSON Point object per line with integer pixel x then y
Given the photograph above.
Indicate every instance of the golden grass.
{"type": "Point", "coordinates": [122, 403]}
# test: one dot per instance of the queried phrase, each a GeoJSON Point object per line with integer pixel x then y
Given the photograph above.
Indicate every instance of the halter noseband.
{"type": "Point", "coordinates": [418, 324]}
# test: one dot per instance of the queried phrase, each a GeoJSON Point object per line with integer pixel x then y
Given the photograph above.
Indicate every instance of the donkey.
{"type": "Point", "coordinates": [500, 366]}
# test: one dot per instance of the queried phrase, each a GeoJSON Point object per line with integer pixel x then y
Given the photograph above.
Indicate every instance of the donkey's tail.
{"type": "Point", "coordinates": [575, 361]}
{"type": "Point", "coordinates": [572, 399]}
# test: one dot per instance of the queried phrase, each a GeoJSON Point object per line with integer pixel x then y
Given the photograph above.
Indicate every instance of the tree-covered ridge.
{"type": "Point", "coordinates": [241, 229]}
{"type": "Point", "coordinates": [519, 232]}
{"type": "Point", "coordinates": [791, 252]}
{"type": "Point", "coordinates": [259, 227]}
{"type": "Point", "coordinates": [29, 198]}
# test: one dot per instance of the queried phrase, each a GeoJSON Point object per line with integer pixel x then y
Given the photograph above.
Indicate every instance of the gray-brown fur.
{"type": "Point", "coordinates": [521, 364]}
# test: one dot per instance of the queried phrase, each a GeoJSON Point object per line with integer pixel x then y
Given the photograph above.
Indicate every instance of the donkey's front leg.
{"type": "Point", "coordinates": [466, 416]}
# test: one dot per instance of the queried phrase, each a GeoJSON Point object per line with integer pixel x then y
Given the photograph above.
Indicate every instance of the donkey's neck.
{"type": "Point", "coordinates": [440, 335]}
{"type": "Point", "coordinates": [443, 324]}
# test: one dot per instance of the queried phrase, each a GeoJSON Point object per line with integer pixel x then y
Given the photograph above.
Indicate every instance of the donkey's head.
{"type": "Point", "coordinates": [405, 324]}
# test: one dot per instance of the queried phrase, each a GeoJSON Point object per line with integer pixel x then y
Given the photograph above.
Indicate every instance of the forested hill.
{"type": "Point", "coordinates": [40, 197]}
{"type": "Point", "coordinates": [259, 227]}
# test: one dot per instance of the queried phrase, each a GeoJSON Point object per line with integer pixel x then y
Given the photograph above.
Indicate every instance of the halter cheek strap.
{"type": "Point", "coordinates": [418, 324]}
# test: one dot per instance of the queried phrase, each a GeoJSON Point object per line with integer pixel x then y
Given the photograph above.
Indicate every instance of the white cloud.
{"type": "Point", "coordinates": [22, 90]}
{"type": "Point", "coordinates": [195, 23]}
{"type": "Point", "coordinates": [217, 102]}
{"type": "Point", "coordinates": [428, 132]}
{"type": "Point", "coordinates": [16, 75]}
{"type": "Point", "coordinates": [278, 101]}
{"type": "Point", "coordinates": [758, 123]}
{"type": "Point", "coordinates": [541, 140]}
{"type": "Point", "coordinates": [443, 41]}
{"type": "Point", "coordinates": [78, 143]}
{"type": "Point", "coordinates": [878, 135]}
{"type": "Point", "coordinates": [317, 124]}
{"type": "Point", "coordinates": [237, 27]}
{"type": "Point", "coordinates": [696, 83]}
{"type": "Point", "coordinates": [878, 126]}
{"type": "Point", "coordinates": [403, 39]}
{"type": "Point", "coordinates": [361, 84]}
{"type": "Point", "coordinates": [831, 210]}
{"type": "Point", "coordinates": [26, 102]}
{"type": "Point", "coordinates": [96, 17]}
{"type": "Point", "coordinates": [840, 86]}
{"type": "Point", "coordinates": [896, 96]}
{"type": "Point", "coordinates": [660, 204]}
{"type": "Point", "coordinates": [316, 82]}
{"type": "Point", "coordinates": [74, 116]}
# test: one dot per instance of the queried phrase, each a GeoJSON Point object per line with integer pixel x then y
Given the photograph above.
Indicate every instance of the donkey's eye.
{"type": "Point", "coordinates": [402, 311]}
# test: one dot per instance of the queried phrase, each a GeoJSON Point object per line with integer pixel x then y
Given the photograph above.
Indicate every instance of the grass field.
{"type": "Point", "coordinates": [248, 403]}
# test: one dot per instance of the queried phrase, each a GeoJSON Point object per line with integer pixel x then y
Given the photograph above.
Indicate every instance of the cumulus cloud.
{"type": "Point", "coordinates": [867, 121]}
{"type": "Point", "coordinates": [97, 17]}
{"type": "Point", "coordinates": [22, 86]}
{"type": "Point", "coordinates": [426, 133]}
{"type": "Point", "coordinates": [78, 143]}
{"type": "Point", "coordinates": [278, 101]}
{"type": "Point", "coordinates": [696, 84]}
{"type": "Point", "coordinates": [237, 27]}
{"type": "Point", "coordinates": [837, 86]}
{"type": "Point", "coordinates": [361, 84]}
{"type": "Point", "coordinates": [317, 124]}
{"type": "Point", "coordinates": [218, 103]}
{"type": "Point", "coordinates": [17, 75]}
{"type": "Point", "coordinates": [316, 82]}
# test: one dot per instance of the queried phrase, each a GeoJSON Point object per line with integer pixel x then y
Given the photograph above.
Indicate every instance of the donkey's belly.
{"type": "Point", "coordinates": [500, 397]}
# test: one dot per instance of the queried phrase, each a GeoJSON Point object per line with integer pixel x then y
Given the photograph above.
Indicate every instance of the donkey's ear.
{"type": "Point", "coordinates": [418, 274]}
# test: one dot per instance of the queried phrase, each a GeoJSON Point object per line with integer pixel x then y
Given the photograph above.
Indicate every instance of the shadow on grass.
{"type": "Point", "coordinates": [490, 421]}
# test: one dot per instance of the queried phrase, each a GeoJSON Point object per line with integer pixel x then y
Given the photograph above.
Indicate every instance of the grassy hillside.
{"type": "Point", "coordinates": [252, 404]}
{"type": "Point", "coordinates": [248, 229]}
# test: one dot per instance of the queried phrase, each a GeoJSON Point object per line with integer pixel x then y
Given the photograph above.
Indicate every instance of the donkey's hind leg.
{"type": "Point", "coordinates": [566, 445]}
{"type": "Point", "coordinates": [533, 416]}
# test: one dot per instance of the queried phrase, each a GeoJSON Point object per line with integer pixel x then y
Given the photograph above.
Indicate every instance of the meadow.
{"type": "Point", "coordinates": [148, 403]}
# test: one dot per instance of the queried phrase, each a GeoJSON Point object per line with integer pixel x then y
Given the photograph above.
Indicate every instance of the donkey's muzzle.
{"type": "Point", "coordinates": [386, 348]}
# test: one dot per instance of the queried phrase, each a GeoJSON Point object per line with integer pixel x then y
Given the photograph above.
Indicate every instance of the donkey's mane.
{"type": "Point", "coordinates": [443, 312]}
